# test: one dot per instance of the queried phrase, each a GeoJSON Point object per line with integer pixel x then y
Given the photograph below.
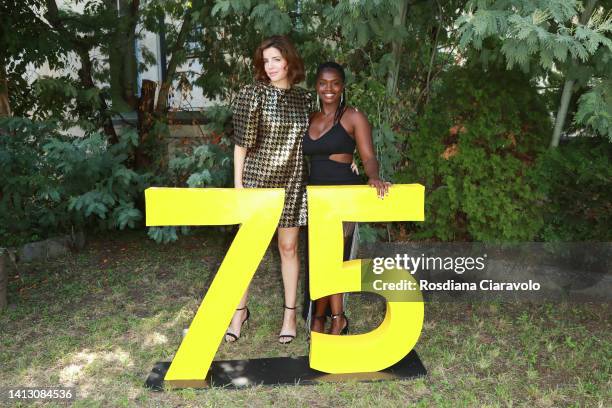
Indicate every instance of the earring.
{"type": "Point", "coordinates": [342, 98]}
{"type": "Point", "coordinates": [318, 102]}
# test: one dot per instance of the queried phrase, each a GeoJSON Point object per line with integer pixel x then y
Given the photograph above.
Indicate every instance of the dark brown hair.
{"type": "Point", "coordinates": [295, 65]}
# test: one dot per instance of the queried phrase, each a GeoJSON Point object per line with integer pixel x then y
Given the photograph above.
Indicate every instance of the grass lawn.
{"type": "Point", "coordinates": [100, 319]}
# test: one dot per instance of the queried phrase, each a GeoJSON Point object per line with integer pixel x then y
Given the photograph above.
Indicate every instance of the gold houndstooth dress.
{"type": "Point", "coordinates": [270, 122]}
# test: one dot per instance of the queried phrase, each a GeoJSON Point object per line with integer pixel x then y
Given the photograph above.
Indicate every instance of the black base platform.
{"type": "Point", "coordinates": [285, 371]}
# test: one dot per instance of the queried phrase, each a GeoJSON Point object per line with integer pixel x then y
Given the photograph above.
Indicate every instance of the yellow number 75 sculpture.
{"type": "Point", "coordinates": [258, 212]}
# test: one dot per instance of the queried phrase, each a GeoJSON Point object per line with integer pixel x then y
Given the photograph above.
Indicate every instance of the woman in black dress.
{"type": "Point", "coordinates": [330, 143]}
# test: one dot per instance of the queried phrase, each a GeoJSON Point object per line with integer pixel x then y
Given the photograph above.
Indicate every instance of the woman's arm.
{"type": "Point", "coordinates": [365, 146]}
{"type": "Point", "coordinates": [239, 157]}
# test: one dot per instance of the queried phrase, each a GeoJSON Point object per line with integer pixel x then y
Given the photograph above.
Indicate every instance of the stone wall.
{"type": "Point", "coordinates": [184, 136]}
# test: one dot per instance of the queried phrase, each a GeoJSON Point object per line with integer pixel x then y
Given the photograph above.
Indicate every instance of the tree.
{"type": "Point", "coordinates": [546, 36]}
{"type": "Point", "coordinates": [23, 41]}
{"type": "Point", "coordinates": [122, 53]}
{"type": "Point", "coordinates": [5, 106]}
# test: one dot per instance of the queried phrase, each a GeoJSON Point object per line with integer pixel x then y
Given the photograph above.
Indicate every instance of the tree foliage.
{"type": "Point", "coordinates": [574, 181]}
{"type": "Point", "coordinates": [569, 36]}
{"type": "Point", "coordinates": [595, 108]}
{"type": "Point", "coordinates": [53, 183]}
{"type": "Point", "coordinates": [470, 132]}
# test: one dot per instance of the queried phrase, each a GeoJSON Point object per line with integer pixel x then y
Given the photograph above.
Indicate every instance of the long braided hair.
{"type": "Point", "coordinates": [334, 66]}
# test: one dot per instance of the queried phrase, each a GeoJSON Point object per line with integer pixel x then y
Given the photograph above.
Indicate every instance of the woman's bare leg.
{"type": "Point", "coordinates": [239, 316]}
{"type": "Point", "coordinates": [290, 268]}
{"type": "Point", "coordinates": [336, 302]}
{"type": "Point", "coordinates": [337, 309]}
{"type": "Point", "coordinates": [319, 316]}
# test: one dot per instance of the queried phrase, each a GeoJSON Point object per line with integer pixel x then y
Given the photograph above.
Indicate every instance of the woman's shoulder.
{"type": "Point", "coordinates": [252, 93]}
{"type": "Point", "coordinates": [255, 87]}
{"type": "Point", "coordinates": [354, 114]}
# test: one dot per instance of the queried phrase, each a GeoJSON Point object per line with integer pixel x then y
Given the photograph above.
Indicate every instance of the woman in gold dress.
{"type": "Point", "coordinates": [270, 117]}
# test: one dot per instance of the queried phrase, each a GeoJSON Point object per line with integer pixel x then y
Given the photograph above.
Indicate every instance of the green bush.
{"type": "Point", "coordinates": [575, 180]}
{"type": "Point", "coordinates": [52, 183]}
{"type": "Point", "coordinates": [210, 163]}
{"type": "Point", "coordinates": [473, 150]}
{"type": "Point", "coordinates": [206, 165]}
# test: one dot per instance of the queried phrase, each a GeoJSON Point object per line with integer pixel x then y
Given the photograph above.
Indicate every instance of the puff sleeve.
{"type": "Point", "coordinates": [247, 115]}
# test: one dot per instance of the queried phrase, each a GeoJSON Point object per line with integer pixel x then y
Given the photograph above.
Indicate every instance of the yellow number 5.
{"type": "Point", "coordinates": [398, 333]}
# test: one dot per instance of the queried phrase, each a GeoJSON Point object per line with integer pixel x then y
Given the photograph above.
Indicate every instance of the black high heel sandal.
{"type": "Point", "coordinates": [234, 336]}
{"type": "Point", "coordinates": [286, 336]}
{"type": "Point", "coordinates": [345, 330]}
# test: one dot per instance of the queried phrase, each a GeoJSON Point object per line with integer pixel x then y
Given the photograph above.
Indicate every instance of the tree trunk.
{"type": "Point", "coordinates": [145, 122]}
{"type": "Point", "coordinates": [85, 75]}
{"type": "Point", "coordinates": [164, 90]}
{"type": "Point", "coordinates": [562, 113]}
{"type": "Point", "coordinates": [3, 278]}
{"type": "Point", "coordinates": [130, 71]}
{"type": "Point", "coordinates": [434, 50]}
{"type": "Point", "coordinates": [398, 21]}
{"type": "Point", "coordinates": [5, 106]}
{"type": "Point", "coordinates": [122, 56]}
{"type": "Point", "coordinates": [566, 95]}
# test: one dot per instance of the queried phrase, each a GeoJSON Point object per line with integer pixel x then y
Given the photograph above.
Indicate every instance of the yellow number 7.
{"type": "Point", "coordinates": [258, 210]}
